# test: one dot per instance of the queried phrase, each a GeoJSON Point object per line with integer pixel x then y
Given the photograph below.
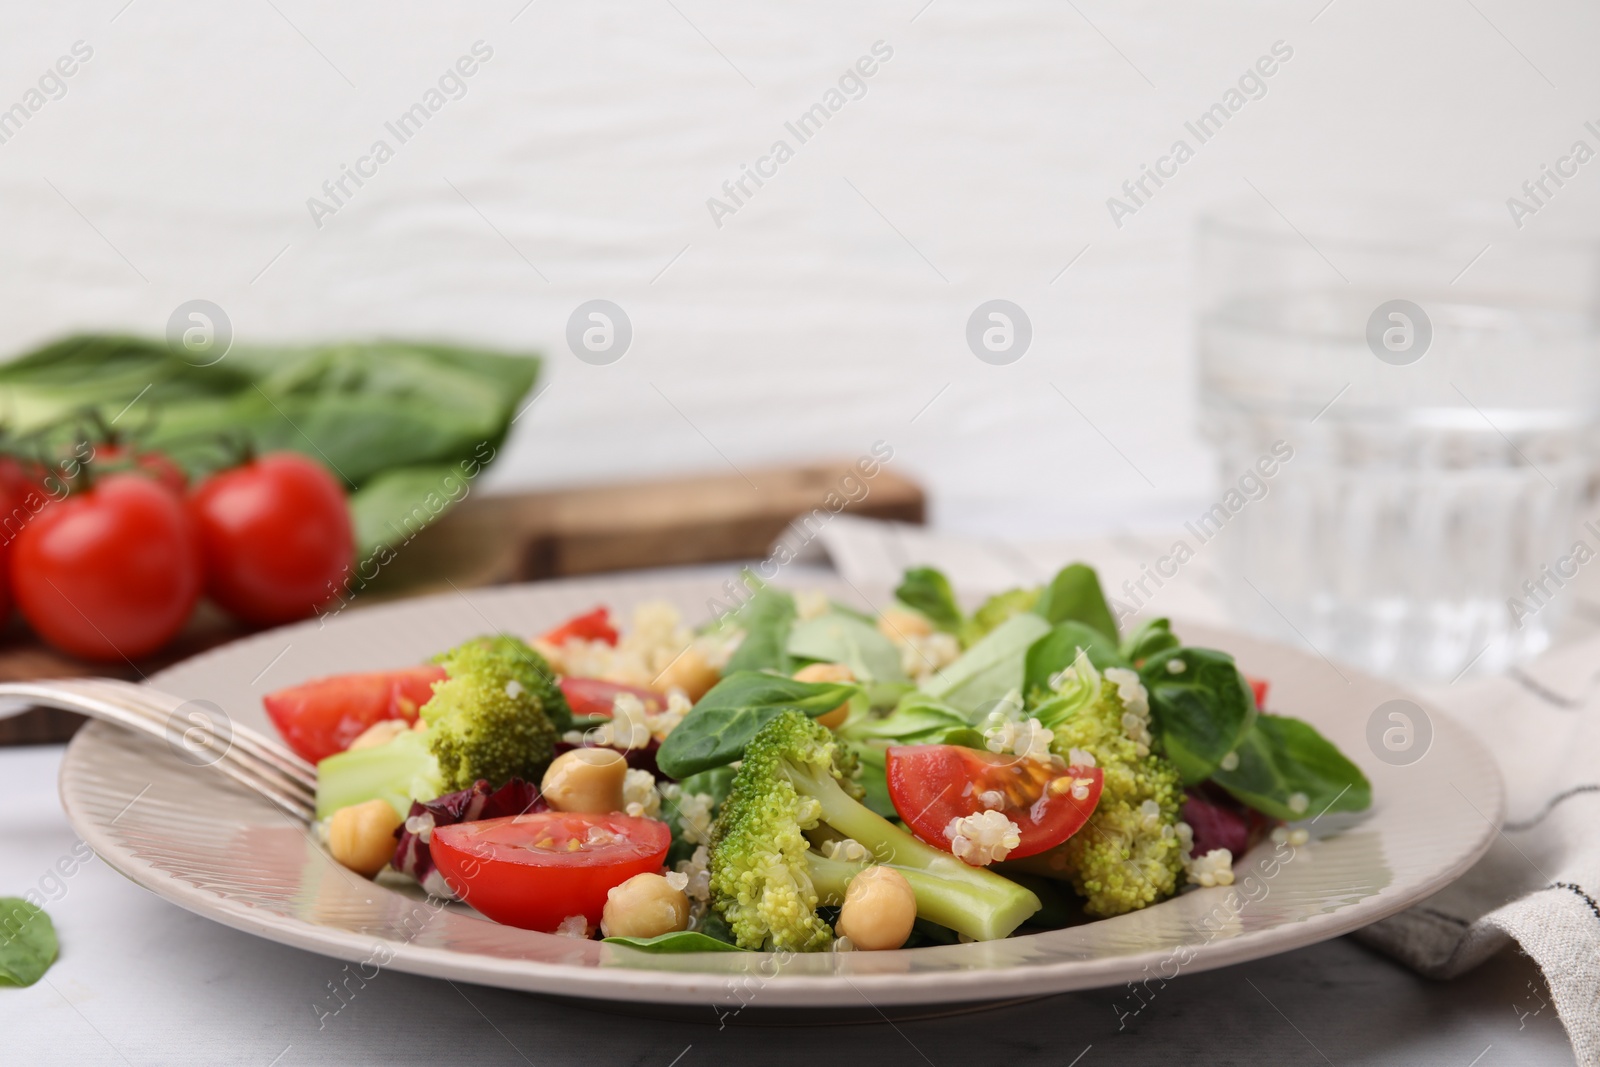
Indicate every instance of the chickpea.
{"type": "Point", "coordinates": [586, 780]}
{"type": "Point", "coordinates": [646, 905]}
{"type": "Point", "coordinates": [878, 910]}
{"type": "Point", "coordinates": [380, 733]}
{"type": "Point", "coordinates": [689, 671]}
{"type": "Point", "coordinates": [362, 836]}
{"type": "Point", "coordinates": [828, 672]}
{"type": "Point", "coordinates": [897, 624]}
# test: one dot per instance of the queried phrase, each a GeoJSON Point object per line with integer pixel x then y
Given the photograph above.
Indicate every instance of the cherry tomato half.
{"type": "Point", "coordinates": [1258, 686]}
{"type": "Point", "coordinates": [108, 573]}
{"type": "Point", "coordinates": [275, 535]}
{"type": "Point", "coordinates": [591, 626]}
{"type": "Point", "coordinates": [321, 718]}
{"type": "Point", "coordinates": [932, 784]}
{"type": "Point", "coordinates": [532, 871]}
{"type": "Point", "coordinates": [588, 697]}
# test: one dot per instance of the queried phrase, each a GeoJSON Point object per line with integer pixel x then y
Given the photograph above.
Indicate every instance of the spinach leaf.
{"type": "Point", "coordinates": [858, 645]}
{"type": "Point", "coordinates": [1200, 713]}
{"type": "Point", "coordinates": [989, 669]}
{"type": "Point", "coordinates": [1074, 594]}
{"type": "Point", "coordinates": [676, 941]}
{"type": "Point", "coordinates": [919, 720]}
{"type": "Point", "coordinates": [996, 610]}
{"type": "Point", "coordinates": [27, 942]}
{"type": "Point", "coordinates": [855, 613]}
{"type": "Point", "coordinates": [887, 694]}
{"type": "Point", "coordinates": [1058, 650]}
{"type": "Point", "coordinates": [766, 619]}
{"type": "Point", "coordinates": [717, 729]}
{"type": "Point", "coordinates": [926, 590]}
{"type": "Point", "coordinates": [396, 505]}
{"type": "Point", "coordinates": [715, 783]}
{"type": "Point", "coordinates": [391, 418]}
{"type": "Point", "coordinates": [1281, 758]}
{"type": "Point", "coordinates": [1152, 636]}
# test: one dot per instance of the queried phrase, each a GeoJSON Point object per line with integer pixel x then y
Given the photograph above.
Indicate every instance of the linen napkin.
{"type": "Point", "coordinates": [1539, 885]}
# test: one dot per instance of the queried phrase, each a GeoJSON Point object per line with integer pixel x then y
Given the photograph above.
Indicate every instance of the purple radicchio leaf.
{"type": "Point", "coordinates": [411, 856]}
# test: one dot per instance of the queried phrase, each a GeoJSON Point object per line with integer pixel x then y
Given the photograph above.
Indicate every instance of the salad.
{"type": "Point", "coordinates": [801, 776]}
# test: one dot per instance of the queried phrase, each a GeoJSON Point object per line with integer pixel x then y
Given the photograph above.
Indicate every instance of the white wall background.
{"type": "Point", "coordinates": [805, 325]}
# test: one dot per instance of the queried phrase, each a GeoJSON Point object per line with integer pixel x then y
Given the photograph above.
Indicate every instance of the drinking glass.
{"type": "Point", "coordinates": [1433, 376]}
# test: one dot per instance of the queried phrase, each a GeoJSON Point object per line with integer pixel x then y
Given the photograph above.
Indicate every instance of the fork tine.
{"type": "Point", "coordinates": [252, 740]}
{"type": "Point", "coordinates": [137, 713]}
{"type": "Point", "coordinates": [156, 708]}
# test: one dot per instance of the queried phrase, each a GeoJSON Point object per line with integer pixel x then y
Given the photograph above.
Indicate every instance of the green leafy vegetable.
{"type": "Point", "coordinates": [766, 619]}
{"type": "Point", "coordinates": [1074, 594]}
{"type": "Point", "coordinates": [835, 638]}
{"type": "Point", "coordinates": [1289, 771]}
{"type": "Point", "coordinates": [717, 729]}
{"type": "Point", "coordinates": [364, 409]}
{"type": "Point", "coordinates": [397, 505]}
{"type": "Point", "coordinates": [677, 941]}
{"type": "Point", "coordinates": [1058, 650]}
{"type": "Point", "coordinates": [1200, 713]}
{"type": "Point", "coordinates": [919, 720]}
{"type": "Point", "coordinates": [1152, 636]}
{"type": "Point", "coordinates": [28, 943]}
{"type": "Point", "coordinates": [714, 783]}
{"type": "Point", "coordinates": [926, 590]}
{"type": "Point", "coordinates": [996, 610]}
{"type": "Point", "coordinates": [989, 669]}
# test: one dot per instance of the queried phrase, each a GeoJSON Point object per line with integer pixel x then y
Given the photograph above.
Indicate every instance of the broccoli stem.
{"type": "Point", "coordinates": [830, 878]}
{"type": "Point", "coordinates": [954, 894]}
{"type": "Point", "coordinates": [399, 771]}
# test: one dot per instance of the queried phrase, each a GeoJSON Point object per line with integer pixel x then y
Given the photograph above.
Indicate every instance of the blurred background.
{"type": "Point", "coordinates": [830, 309]}
{"type": "Point", "coordinates": [594, 152]}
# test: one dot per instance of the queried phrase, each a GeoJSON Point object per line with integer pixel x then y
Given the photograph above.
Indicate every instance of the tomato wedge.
{"type": "Point", "coordinates": [321, 718]}
{"type": "Point", "coordinates": [591, 626]}
{"type": "Point", "coordinates": [589, 697]}
{"type": "Point", "coordinates": [932, 784]}
{"type": "Point", "coordinates": [532, 871]}
{"type": "Point", "coordinates": [1258, 686]}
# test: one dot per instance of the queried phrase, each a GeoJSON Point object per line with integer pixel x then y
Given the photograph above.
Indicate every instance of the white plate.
{"type": "Point", "coordinates": [194, 838]}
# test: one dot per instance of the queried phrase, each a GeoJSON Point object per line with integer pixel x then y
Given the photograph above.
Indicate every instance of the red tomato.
{"type": "Point", "coordinates": [590, 696]}
{"type": "Point", "coordinates": [157, 465]}
{"type": "Point", "coordinates": [108, 573]}
{"type": "Point", "coordinates": [275, 535]}
{"type": "Point", "coordinates": [22, 476]}
{"type": "Point", "coordinates": [591, 626]}
{"type": "Point", "coordinates": [13, 517]}
{"type": "Point", "coordinates": [321, 718]}
{"type": "Point", "coordinates": [932, 784]}
{"type": "Point", "coordinates": [1258, 686]}
{"type": "Point", "coordinates": [532, 871]}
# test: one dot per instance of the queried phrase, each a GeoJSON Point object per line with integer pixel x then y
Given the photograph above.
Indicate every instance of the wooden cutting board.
{"type": "Point", "coordinates": [489, 540]}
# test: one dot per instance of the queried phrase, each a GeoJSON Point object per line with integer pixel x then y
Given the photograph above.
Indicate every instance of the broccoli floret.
{"type": "Point", "coordinates": [489, 718]}
{"type": "Point", "coordinates": [1129, 854]}
{"type": "Point", "coordinates": [495, 716]}
{"type": "Point", "coordinates": [519, 660]}
{"type": "Point", "coordinates": [767, 878]}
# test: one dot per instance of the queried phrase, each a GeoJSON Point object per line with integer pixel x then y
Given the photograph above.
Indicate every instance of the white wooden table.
{"type": "Point", "coordinates": [141, 982]}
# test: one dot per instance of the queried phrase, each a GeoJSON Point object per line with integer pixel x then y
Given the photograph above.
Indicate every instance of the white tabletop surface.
{"type": "Point", "coordinates": [141, 981]}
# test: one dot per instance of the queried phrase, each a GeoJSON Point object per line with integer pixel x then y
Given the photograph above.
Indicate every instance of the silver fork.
{"type": "Point", "coordinates": [250, 758]}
